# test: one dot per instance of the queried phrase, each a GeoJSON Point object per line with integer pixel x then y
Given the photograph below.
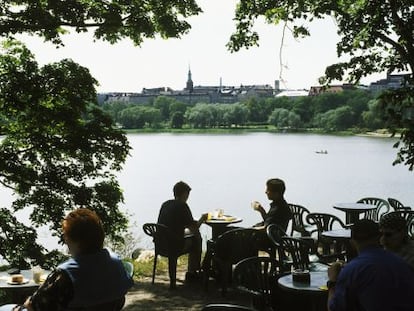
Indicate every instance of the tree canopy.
{"type": "Point", "coordinates": [60, 151]}
{"type": "Point", "coordinates": [110, 20]}
{"type": "Point", "coordinates": [375, 36]}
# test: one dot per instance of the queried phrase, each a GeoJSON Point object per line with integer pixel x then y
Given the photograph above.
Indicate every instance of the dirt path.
{"type": "Point", "coordinates": [145, 296]}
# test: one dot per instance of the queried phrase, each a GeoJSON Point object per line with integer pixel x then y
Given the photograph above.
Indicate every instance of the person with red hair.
{"type": "Point", "coordinates": [92, 279]}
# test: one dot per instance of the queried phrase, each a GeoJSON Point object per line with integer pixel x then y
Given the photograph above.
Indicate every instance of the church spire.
{"type": "Point", "coordinates": [189, 86]}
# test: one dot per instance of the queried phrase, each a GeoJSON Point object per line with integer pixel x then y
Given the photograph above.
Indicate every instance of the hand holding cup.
{"type": "Point", "coordinates": [256, 205]}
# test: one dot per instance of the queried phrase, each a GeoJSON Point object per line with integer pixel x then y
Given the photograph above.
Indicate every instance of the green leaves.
{"type": "Point", "coordinates": [60, 151]}
{"type": "Point", "coordinates": [110, 20]}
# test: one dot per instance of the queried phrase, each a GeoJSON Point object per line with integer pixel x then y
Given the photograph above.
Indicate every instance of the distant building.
{"type": "Point", "coordinates": [194, 94]}
{"type": "Point", "coordinates": [317, 90]}
{"type": "Point", "coordinates": [292, 93]}
{"type": "Point", "coordinates": [393, 81]}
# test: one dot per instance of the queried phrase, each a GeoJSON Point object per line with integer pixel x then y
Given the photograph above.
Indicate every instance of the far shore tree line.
{"type": "Point", "coordinates": [350, 109]}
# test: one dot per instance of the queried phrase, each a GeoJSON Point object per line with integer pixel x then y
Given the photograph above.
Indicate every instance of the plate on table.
{"type": "Point", "coordinates": [25, 281]}
{"type": "Point", "coordinates": [224, 218]}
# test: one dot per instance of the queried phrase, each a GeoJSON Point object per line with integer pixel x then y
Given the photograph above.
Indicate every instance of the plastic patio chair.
{"type": "Point", "coordinates": [166, 244]}
{"type": "Point", "coordinates": [257, 276]}
{"type": "Point", "coordinates": [298, 223]}
{"type": "Point", "coordinates": [227, 250]}
{"type": "Point", "coordinates": [327, 249]}
{"type": "Point", "coordinates": [397, 205]}
{"type": "Point", "coordinates": [382, 205]}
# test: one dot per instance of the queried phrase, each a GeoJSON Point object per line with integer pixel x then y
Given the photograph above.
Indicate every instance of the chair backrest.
{"type": "Point", "coordinates": [129, 267]}
{"type": "Point", "coordinates": [257, 276]}
{"type": "Point", "coordinates": [166, 243]}
{"type": "Point", "coordinates": [275, 234]}
{"type": "Point", "coordinates": [225, 307]}
{"type": "Point", "coordinates": [299, 214]}
{"type": "Point", "coordinates": [326, 247]}
{"type": "Point", "coordinates": [397, 205]}
{"type": "Point", "coordinates": [298, 250]}
{"type": "Point", "coordinates": [324, 222]}
{"type": "Point", "coordinates": [375, 214]}
{"type": "Point", "coordinates": [236, 244]}
{"type": "Point", "coordinates": [408, 215]}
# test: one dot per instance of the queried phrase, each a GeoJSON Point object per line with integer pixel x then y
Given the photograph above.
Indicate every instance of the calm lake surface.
{"type": "Point", "coordinates": [229, 171]}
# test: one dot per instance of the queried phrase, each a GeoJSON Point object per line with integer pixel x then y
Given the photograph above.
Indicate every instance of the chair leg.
{"type": "Point", "coordinates": [154, 266]}
{"type": "Point", "coordinates": [172, 271]}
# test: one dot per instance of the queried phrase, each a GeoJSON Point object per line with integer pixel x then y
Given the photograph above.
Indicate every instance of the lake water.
{"type": "Point", "coordinates": [229, 171]}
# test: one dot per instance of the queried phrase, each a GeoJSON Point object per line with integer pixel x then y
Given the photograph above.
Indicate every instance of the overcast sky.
{"type": "Point", "coordinates": [124, 67]}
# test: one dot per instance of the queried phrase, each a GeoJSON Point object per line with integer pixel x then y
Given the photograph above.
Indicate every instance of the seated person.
{"type": "Point", "coordinates": [176, 215]}
{"type": "Point", "coordinates": [93, 279]}
{"type": "Point", "coordinates": [394, 237]}
{"type": "Point", "coordinates": [375, 280]}
{"type": "Point", "coordinates": [279, 212]}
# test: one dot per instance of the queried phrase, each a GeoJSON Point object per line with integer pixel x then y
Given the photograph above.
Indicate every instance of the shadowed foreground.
{"type": "Point", "coordinates": [145, 296]}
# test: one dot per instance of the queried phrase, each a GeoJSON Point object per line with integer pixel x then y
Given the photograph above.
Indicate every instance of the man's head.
{"type": "Point", "coordinates": [365, 232]}
{"type": "Point", "coordinates": [181, 191]}
{"type": "Point", "coordinates": [393, 228]}
{"type": "Point", "coordinates": [275, 189]}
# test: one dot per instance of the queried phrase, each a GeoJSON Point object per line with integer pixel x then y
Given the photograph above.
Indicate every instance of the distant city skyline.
{"type": "Point", "coordinates": [164, 63]}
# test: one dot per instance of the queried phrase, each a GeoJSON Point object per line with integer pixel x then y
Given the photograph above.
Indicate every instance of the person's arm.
{"type": "Point", "coordinates": [333, 272]}
{"type": "Point", "coordinates": [197, 223]}
{"type": "Point", "coordinates": [54, 294]}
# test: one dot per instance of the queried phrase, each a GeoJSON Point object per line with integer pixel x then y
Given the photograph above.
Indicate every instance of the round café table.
{"type": "Point", "coordinates": [316, 290]}
{"type": "Point", "coordinates": [344, 235]}
{"type": "Point", "coordinates": [18, 292]}
{"type": "Point", "coordinates": [352, 210]}
{"type": "Point", "coordinates": [218, 225]}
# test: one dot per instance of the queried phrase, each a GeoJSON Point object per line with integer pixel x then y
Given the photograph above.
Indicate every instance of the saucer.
{"type": "Point", "coordinates": [25, 281]}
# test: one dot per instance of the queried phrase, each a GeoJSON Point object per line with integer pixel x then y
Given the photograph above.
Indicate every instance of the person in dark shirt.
{"type": "Point", "coordinates": [279, 212]}
{"type": "Point", "coordinates": [375, 280]}
{"type": "Point", "coordinates": [177, 216]}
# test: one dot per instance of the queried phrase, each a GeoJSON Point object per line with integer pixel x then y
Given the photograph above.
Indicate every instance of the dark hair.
{"type": "Point", "coordinates": [364, 230]}
{"type": "Point", "coordinates": [393, 221]}
{"type": "Point", "coordinates": [181, 188]}
{"type": "Point", "coordinates": [277, 185]}
{"type": "Point", "coordinates": [84, 227]}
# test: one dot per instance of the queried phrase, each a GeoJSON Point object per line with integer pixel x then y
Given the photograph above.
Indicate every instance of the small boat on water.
{"type": "Point", "coordinates": [322, 151]}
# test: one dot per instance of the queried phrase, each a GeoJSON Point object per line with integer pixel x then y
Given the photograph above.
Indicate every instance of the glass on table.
{"type": "Point", "coordinates": [37, 274]}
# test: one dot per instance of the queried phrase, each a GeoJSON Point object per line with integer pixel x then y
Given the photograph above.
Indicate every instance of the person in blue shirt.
{"type": "Point", "coordinates": [93, 279]}
{"type": "Point", "coordinates": [375, 280]}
